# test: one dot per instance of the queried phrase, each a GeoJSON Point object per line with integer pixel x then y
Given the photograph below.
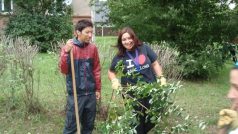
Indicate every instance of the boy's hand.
{"type": "Point", "coordinates": [98, 95]}
{"type": "Point", "coordinates": [69, 45]}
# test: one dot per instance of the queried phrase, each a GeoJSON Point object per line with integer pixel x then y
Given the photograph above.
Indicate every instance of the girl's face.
{"type": "Point", "coordinates": [233, 93]}
{"type": "Point", "coordinates": [234, 79]}
{"type": "Point", "coordinates": [127, 41]}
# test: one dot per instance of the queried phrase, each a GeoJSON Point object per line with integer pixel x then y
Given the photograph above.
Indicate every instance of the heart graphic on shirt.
{"type": "Point", "coordinates": [141, 59]}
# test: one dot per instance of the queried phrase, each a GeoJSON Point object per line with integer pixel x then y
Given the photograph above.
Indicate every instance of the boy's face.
{"type": "Point", "coordinates": [85, 35]}
{"type": "Point", "coordinates": [233, 93]}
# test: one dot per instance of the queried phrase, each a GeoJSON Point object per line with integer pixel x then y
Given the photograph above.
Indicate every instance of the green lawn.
{"type": "Point", "coordinates": [201, 99]}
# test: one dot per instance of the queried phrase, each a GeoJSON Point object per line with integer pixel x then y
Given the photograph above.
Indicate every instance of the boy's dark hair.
{"type": "Point", "coordinates": [83, 24]}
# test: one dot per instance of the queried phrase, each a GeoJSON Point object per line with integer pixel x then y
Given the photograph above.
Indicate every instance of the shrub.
{"type": "Point", "coordinates": [20, 56]}
{"type": "Point", "coordinates": [3, 60]}
{"type": "Point", "coordinates": [43, 30]}
{"type": "Point", "coordinates": [203, 64]}
{"type": "Point", "coordinates": [163, 112]}
{"type": "Point", "coordinates": [169, 60]}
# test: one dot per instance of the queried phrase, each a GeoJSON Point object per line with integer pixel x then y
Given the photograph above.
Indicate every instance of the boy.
{"type": "Point", "coordinates": [87, 77]}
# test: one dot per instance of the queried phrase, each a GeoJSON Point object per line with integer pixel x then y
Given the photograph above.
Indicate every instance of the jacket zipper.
{"type": "Point", "coordinates": [85, 71]}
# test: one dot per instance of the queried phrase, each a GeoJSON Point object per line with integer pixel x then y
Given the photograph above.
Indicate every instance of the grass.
{"type": "Point", "coordinates": [50, 90]}
{"type": "Point", "coordinates": [204, 99]}
{"type": "Point", "coordinates": [201, 99]}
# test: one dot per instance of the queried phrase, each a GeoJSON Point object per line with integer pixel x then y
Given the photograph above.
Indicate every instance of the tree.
{"type": "Point", "coordinates": [195, 27]}
{"type": "Point", "coordinates": [53, 7]}
{"type": "Point", "coordinates": [44, 22]}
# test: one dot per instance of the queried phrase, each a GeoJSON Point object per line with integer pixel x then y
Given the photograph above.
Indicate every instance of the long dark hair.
{"type": "Point", "coordinates": [120, 47]}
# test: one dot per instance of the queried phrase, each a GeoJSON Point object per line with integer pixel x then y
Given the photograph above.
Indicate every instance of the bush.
{"type": "Point", "coordinates": [43, 30]}
{"type": "Point", "coordinates": [169, 60]}
{"type": "Point", "coordinates": [3, 60]}
{"type": "Point", "coordinates": [203, 64]}
{"type": "Point", "coordinates": [19, 57]}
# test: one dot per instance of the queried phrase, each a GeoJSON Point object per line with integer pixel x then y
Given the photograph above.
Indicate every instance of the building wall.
{"type": "Point", "coordinates": [81, 10]}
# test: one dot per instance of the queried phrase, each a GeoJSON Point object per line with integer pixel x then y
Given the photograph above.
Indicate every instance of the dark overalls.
{"type": "Point", "coordinates": [87, 112]}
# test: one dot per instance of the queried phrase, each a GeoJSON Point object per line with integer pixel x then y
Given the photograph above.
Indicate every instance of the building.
{"type": "Point", "coordinates": [101, 21]}
{"type": "Point", "coordinates": [81, 10]}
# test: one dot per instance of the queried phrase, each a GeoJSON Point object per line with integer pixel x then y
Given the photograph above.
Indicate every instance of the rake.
{"type": "Point", "coordinates": [75, 92]}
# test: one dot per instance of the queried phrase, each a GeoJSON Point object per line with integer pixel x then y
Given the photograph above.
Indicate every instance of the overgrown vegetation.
{"type": "Point", "coordinates": [43, 22]}
{"type": "Point", "coordinates": [162, 111]}
{"type": "Point", "coordinates": [169, 60]}
{"type": "Point", "coordinates": [19, 55]}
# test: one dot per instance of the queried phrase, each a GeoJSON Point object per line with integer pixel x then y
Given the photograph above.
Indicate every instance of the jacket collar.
{"type": "Point", "coordinates": [78, 43]}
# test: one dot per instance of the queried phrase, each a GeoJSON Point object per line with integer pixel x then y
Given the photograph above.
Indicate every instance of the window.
{"type": "Point", "coordinates": [6, 5]}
